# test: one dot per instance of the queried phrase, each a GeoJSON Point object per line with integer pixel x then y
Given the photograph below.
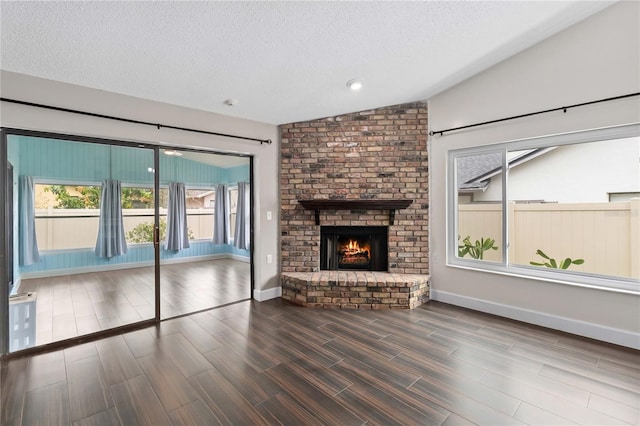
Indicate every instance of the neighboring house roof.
{"type": "Point", "coordinates": [476, 171]}
{"type": "Point", "coordinates": [202, 194]}
{"type": "Point", "coordinates": [471, 168]}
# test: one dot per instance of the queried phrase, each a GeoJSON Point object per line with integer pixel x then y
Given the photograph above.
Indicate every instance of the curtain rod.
{"type": "Point", "coordinates": [129, 120]}
{"type": "Point", "coordinates": [563, 109]}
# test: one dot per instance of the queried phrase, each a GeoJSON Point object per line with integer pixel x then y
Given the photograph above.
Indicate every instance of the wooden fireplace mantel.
{"type": "Point", "coordinates": [368, 204]}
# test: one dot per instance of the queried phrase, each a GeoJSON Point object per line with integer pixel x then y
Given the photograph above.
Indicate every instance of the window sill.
{"type": "Point", "coordinates": [626, 286]}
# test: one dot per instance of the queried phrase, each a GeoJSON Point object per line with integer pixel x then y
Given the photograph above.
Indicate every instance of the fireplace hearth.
{"type": "Point", "coordinates": [363, 248]}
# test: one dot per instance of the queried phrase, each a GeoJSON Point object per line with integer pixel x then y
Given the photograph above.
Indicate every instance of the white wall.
{"type": "Point", "coordinates": [584, 173]}
{"type": "Point", "coordinates": [597, 58]}
{"type": "Point", "coordinates": [266, 178]}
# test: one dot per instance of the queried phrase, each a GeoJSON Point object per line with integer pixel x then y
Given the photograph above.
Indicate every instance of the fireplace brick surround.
{"type": "Point", "coordinates": [355, 290]}
{"type": "Point", "coordinates": [377, 154]}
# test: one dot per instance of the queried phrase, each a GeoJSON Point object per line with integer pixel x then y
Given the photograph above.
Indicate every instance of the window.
{"type": "Point", "coordinates": [543, 208]}
{"type": "Point", "coordinates": [623, 196]}
{"type": "Point", "coordinates": [200, 212]}
{"type": "Point", "coordinates": [66, 215]}
{"type": "Point", "coordinates": [138, 213]}
{"type": "Point", "coordinates": [139, 222]}
{"type": "Point", "coordinates": [479, 215]}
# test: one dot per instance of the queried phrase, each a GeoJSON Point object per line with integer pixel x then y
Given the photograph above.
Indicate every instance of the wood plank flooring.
{"type": "Point", "coordinates": [72, 305]}
{"type": "Point", "coordinates": [279, 364]}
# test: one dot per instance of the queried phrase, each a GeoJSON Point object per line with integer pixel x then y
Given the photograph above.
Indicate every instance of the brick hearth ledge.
{"type": "Point", "coordinates": [355, 289]}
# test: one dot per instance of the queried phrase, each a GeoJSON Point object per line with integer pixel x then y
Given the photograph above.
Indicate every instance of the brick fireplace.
{"type": "Point", "coordinates": [366, 157]}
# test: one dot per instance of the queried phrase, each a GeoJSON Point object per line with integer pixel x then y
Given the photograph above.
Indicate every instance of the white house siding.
{"type": "Point", "coordinates": [584, 173]}
{"type": "Point", "coordinates": [596, 58]}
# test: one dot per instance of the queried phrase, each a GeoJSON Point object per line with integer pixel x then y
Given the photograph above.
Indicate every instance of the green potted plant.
{"type": "Point", "coordinates": [552, 263]}
{"type": "Point", "coordinates": [476, 250]}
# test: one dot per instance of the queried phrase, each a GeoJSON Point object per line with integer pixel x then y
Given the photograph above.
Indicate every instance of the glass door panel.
{"type": "Point", "coordinates": [83, 217]}
{"type": "Point", "coordinates": [204, 223]}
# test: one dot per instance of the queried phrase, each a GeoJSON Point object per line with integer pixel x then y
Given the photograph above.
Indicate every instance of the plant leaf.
{"type": "Point", "coordinates": [541, 253]}
{"type": "Point", "coordinates": [578, 262]}
{"type": "Point", "coordinates": [553, 262]}
{"type": "Point", "coordinates": [565, 263]}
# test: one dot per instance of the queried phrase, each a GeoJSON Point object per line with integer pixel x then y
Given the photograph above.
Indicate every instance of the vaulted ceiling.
{"type": "Point", "coordinates": [281, 62]}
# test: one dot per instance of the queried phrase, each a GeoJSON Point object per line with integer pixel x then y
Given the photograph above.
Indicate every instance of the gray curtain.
{"type": "Point", "coordinates": [111, 241]}
{"type": "Point", "coordinates": [26, 222]}
{"type": "Point", "coordinates": [241, 234]}
{"type": "Point", "coordinates": [221, 221]}
{"type": "Point", "coordinates": [177, 234]}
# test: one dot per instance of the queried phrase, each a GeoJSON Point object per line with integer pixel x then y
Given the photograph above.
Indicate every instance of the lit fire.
{"type": "Point", "coordinates": [354, 253]}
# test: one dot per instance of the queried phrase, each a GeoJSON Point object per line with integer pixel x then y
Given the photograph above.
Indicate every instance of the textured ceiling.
{"type": "Point", "coordinates": [283, 61]}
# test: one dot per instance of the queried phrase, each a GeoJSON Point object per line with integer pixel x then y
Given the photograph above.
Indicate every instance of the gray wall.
{"type": "Point", "coordinates": [597, 58]}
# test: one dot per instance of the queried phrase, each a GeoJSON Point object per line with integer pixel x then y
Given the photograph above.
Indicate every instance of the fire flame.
{"type": "Point", "coordinates": [353, 253]}
{"type": "Point", "coordinates": [352, 248]}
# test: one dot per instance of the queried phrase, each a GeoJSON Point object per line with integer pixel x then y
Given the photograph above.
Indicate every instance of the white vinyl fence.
{"type": "Point", "coordinates": [64, 229]}
{"type": "Point", "coordinates": [605, 235]}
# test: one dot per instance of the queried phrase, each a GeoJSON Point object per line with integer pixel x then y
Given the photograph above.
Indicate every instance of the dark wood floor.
{"type": "Point", "coordinates": [274, 363]}
{"type": "Point", "coordinates": [72, 305]}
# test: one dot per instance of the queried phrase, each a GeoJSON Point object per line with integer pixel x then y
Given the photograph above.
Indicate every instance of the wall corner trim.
{"type": "Point", "coordinates": [270, 293]}
{"type": "Point", "coordinates": [582, 328]}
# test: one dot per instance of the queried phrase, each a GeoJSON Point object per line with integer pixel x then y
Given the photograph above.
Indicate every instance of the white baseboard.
{"type": "Point", "coordinates": [192, 259]}
{"type": "Point", "coordinates": [118, 266]}
{"type": "Point", "coordinates": [83, 270]}
{"type": "Point", "coordinates": [569, 325]}
{"type": "Point", "coordinates": [270, 293]}
{"type": "Point", "coordinates": [238, 258]}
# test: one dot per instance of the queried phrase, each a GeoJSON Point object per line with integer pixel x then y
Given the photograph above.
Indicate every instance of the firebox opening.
{"type": "Point", "coordinates": [354, 252]}
{"type": "Point", "coordinates": [354, 247]}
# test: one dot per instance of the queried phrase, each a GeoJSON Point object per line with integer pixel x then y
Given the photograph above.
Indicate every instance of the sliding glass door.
{"type": "Point", "coordinates": [82, 227]}
{"type": "Point", "coordinates": [205, 230]}
{"type": "Point", "coordinates": [103, 235]}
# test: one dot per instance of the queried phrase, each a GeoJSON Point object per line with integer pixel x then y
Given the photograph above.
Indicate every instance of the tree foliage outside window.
{"type": "Point", "coordinates": [84, 197]}
{"type": "Point", "coordinates": [137, 198]}
{"type": "Point", "coordinates": [88, 197]}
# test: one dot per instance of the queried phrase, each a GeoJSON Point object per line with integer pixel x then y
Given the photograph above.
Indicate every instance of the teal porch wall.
{"type": "Point", "coordinates": [237, 174]}
{"type": "Point", "coordinates": [137, 253]}
{"type": "Point", "coordinates": [54, 159]}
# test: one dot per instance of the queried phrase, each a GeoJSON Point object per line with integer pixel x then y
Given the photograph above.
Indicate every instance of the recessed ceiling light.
{"type": "Point", "coordinates": [354, 84]}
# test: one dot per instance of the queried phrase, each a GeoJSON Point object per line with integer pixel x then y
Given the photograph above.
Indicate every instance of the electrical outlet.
{"type": "Point", "coordinates": [269, 215]}
{"type": "Point", "coordinates": [269, 258]}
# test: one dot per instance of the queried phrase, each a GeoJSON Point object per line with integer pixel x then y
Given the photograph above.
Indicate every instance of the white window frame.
{"type": "Point", "coordinates": [610, 283]}
{"type": "Point", "coordinates": [200, 188]}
